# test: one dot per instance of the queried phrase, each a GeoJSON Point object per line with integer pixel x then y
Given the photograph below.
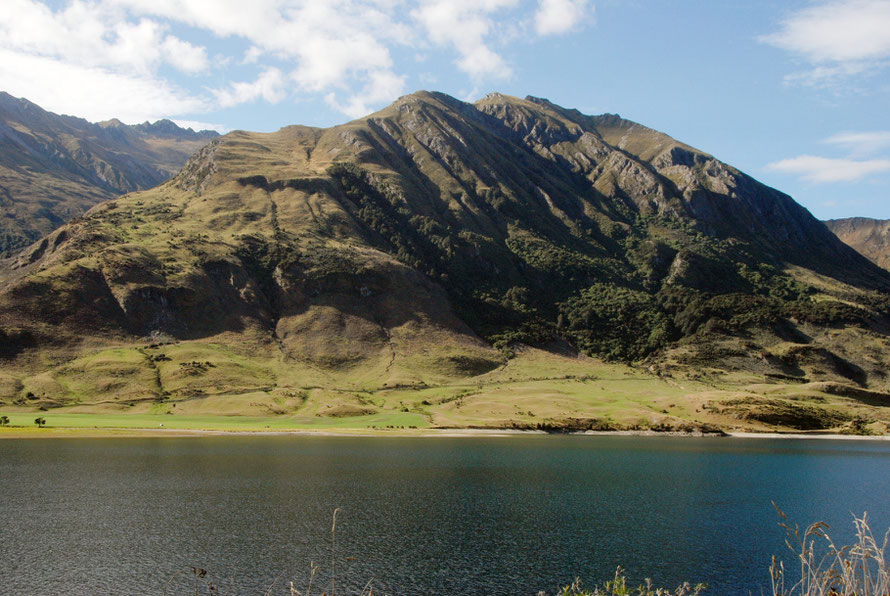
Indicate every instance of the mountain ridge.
{"type": "Point", "coordinates": [427, 243]}
{"type": "Point", "coordinates": [55, 167]}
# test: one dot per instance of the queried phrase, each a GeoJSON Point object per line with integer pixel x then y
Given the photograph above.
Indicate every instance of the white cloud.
{"type": "Point", "coordinates": [465, 25]}
{"type": "Point", "coordinates": [824, 169]}
{"type": "Point", "coordinates": [270, 86]}
{"type": "Point", "coordinates": [91, 92]}
{"type": "Point", "coordinates": [92, 35]}
{"type": "Point", "coordinates": [183, 55]}
{"type": "Point", "coordinates": [251, 56]}
{"type": "Point", "coordinates": [841, 31]}
{"type": "Point", "coordinates": [340, 49]}
{"type": "Point", "coordinates": [382, 86]}
{"type": "Point", "coordinates": [839, 39]}
{"type": "Point", "coordinates": [559, 16]}
{"type": "Point", "coordinates": [329, 40]}
{"type": "Point", "coordinates": [333, 44]}
{"type": "Point", "coordinates": [861, 143]}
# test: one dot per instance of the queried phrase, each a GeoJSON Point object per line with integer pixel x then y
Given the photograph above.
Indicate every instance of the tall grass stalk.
{"type": "Point", "coordinates": [313, 568]}
{"type": "Point", "coordinates": [859, 569]}
{"type": "Point", "coordinates": [333, 547]}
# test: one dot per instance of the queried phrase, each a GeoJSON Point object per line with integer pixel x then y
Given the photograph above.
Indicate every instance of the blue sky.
{"type": "Point", "coordinates": [795, 93]}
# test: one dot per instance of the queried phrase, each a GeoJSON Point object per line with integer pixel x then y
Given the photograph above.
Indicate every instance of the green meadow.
{"type": "Point", "coordinates": [534, 390]}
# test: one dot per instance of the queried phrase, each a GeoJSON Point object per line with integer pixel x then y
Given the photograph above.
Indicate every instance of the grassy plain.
{"type": "Point", "coordinates": [534, 390]}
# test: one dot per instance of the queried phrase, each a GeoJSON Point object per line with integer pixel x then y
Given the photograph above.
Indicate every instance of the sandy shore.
{"type": "Point", "coordinates": [834, 437]}
{"type": "Point", "coordinates": [91, 432]}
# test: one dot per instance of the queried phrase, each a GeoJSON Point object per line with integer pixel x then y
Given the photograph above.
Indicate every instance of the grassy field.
{"type": "Point", "coordinates": [63, 419]}
{"type": "Point", "coordinates": [534, 390]}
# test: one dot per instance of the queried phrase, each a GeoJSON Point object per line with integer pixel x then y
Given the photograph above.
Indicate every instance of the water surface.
{"type": "Point", "coordinates": [499, 515]}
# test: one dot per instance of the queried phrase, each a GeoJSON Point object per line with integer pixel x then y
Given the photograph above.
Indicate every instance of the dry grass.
{"type": "Point", "coordinates": [859, 569]}
{"type": "Point", "coordinates": [617, 586]}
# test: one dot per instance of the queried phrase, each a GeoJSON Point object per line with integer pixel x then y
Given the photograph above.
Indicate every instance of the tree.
{"type": "Point", "coordinates": [40, 421]}
{"type": "Point", "coordinates": [4, 420]}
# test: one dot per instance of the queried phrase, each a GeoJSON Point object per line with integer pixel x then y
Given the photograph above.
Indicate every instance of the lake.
{"type": "Point", "coordinates": [487, 515]}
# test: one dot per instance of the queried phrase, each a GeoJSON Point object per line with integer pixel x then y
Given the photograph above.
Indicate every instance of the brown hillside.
{"type": "Point", "coordinates": [871, 237]}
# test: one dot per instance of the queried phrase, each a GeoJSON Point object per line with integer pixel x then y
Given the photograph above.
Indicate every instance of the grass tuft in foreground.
{"type": "Point", "coordinates": [859, 569]}
{"type": "Point", "coordinates": [618, 587]}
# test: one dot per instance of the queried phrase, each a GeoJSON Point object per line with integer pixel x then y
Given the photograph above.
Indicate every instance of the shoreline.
{"type": "Point", "coordinates": [124, 432]}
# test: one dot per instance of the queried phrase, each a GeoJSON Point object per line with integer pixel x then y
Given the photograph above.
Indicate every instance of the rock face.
{"type": "Point", "coordinates": [422, 241]}
{"type": "Point", "coordinates": [53, 168]}
{"type": "Point", "coordinates": [871, 237]}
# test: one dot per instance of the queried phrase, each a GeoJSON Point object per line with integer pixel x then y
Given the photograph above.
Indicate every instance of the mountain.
{"type": "Point", "coordinates": [508, 262]}
{"type": "Point", "coordinates": [53, 168]}
{"type": "Point", "coordinates": [871, 237]}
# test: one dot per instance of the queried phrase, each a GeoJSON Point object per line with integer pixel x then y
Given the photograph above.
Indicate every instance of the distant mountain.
{"type": "Point", "coordinates": [430, 243]}
{"type": "Point", "coordinates": [871, 237]}
{"type": "Point", "coordinates": [53, 168]}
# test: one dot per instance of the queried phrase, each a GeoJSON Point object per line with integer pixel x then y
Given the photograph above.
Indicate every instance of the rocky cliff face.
{"type": "Point", "coordinates": [54, 168]}
{"type": "Point", "coordinates": [421, 242]}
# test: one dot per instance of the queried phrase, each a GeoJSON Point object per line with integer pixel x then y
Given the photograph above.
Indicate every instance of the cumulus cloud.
{"type": "Point", "coordinates": [839, 39]}
{"type": "Point", "coordinates": [93, 93]}
{"type": "Point", "coordinates": [251, 56]}
{"type": "Point", "coordinates": [270, 86]}
{"type": "Point", "coordinates": [381, 86]}
{"type": "Point", "coordinates": [95, 62]}
{"type": "Point", "coordinates": [465, 26]}
{"type": "Point", "coordinates": [554, 17]}
{"type": "Point", "coordinates": [87, 35]}
{"type": "Point", "coordinates": [328, 41]}
{"type": "Point", "coordinates": [183, 55]}
{"type": "Point", "coordinates": [341, 50]}
{"type": "Point", "coordinates": [824, 169]}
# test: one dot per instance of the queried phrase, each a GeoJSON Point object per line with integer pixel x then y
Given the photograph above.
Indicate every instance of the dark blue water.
{"type": "Point", "coordinates": [419, 515]}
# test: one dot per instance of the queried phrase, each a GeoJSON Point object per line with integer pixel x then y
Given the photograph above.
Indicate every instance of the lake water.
{"type": "Point", "coordinates": [498, 515]}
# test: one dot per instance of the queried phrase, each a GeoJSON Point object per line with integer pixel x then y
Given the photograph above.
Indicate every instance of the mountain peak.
{"type": "Point", "coordinates": [168, 129]}
{"type": "Point", "coordinates": [113, 123]}
{"type": "Point", "coordinates": [429, 97]}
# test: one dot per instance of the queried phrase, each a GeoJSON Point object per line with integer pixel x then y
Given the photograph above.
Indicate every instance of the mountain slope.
{"type": "Point", "coordinates": [53, 168]}
{"type": "Point", "coordinates": [871, 237]}
{"type": "Point", "coordinates": [424, 246]}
